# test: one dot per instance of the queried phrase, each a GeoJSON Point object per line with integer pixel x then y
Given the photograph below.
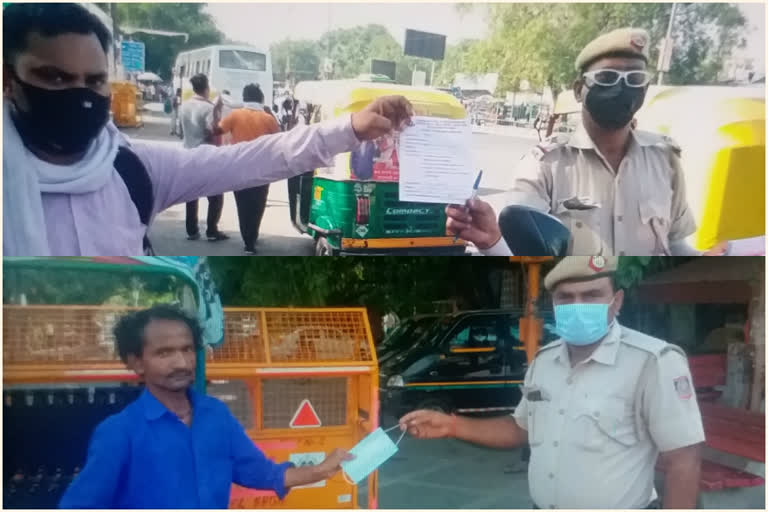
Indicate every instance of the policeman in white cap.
{"type": "Point", "coordinates": [618, 190]}
{"type": "Point", "coordinates": [599, 406]}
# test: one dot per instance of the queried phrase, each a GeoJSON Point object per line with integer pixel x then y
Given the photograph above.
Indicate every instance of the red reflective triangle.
{"type": "Point", "coordinates": [305, 416]}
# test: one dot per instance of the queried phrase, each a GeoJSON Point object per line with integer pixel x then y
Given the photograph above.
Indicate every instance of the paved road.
{"type": "Point", "coordinates": [495, 154]}
{"type": "Point", "coordinates": [448, 474]}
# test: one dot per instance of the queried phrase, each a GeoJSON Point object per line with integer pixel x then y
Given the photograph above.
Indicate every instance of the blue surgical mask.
{"type": "Point", "coordinates": [370, 453]}
{"type": "Point", "coordinates": [582, 324]}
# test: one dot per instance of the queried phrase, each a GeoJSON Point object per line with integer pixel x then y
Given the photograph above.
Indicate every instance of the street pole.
{"type": "Point", "coordinates": [432, 75]}
{"type": "Point", "coordinates": [667, 42]}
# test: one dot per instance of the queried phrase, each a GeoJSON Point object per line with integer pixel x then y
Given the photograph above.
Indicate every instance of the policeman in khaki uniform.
{"type": "Point", "coordinates": [618, 190]}
{"type": "Point", "coordinates": [599, 406]}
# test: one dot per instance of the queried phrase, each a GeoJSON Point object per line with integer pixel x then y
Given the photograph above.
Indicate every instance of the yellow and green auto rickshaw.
{"type": "Point", "coordinates": [353, 207]}
{"type": "Point", "coordinates": [721, 131]}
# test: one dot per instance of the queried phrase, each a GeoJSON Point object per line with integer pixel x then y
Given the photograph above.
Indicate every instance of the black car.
{"type": "Point", "coordinates": [409, 331]}
{"type": "Point", "coordinates": [467, 362]}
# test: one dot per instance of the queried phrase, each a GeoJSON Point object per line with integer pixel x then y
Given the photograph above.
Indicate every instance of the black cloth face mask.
{"type": "Point", "coordinates": [613, 107]}
{"type": "Point", "coordinates": [60, 121]}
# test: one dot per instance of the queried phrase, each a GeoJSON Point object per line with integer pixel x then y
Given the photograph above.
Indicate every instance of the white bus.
{"type": "Point", "coordinates": [228, 67]}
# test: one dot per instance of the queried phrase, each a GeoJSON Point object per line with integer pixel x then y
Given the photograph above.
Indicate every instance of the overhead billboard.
{"type": "Point", "coordinates": [424, 44]}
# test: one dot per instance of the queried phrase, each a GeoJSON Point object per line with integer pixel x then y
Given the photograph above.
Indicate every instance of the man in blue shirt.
{"type": "Point", "coordinates": [173, 447]}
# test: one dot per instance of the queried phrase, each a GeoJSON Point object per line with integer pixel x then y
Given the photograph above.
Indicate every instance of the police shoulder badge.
{"type": "Point", "coordinates": [683, 387]}
{"type": "Point", "coordinates": [597, 263]}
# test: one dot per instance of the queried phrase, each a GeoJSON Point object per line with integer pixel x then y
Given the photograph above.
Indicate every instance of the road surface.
{"type": "Point", "coordinates": [495, 154]}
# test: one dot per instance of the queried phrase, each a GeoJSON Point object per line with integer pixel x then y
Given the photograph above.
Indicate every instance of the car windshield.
{"type": "Point", "coordinates": [409, 331]}
{"type": "Point", "coordinates": [240, 59]}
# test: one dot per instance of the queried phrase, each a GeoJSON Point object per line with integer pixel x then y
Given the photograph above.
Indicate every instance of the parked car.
{"type": "Point", "coordinates": [407, 333]}
{"type": "Point", "coordinates": [468, 362]}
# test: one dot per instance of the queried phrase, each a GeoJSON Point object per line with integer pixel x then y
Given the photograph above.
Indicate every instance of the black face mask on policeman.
{"type": "Point", "coordinates": [60, 122]}
{"type": "Point", "coordinates": [613, 107]}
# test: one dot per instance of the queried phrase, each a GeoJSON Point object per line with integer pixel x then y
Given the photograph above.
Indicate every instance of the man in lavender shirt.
{"type": "Point", "coordinates": [61, 192]}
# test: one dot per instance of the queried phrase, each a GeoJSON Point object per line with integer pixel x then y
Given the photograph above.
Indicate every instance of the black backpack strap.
{"type": "Point", "coordinates": [136, 178]}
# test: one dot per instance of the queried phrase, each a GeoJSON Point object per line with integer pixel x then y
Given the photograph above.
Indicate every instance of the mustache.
{"type": "Point", "coordinates": [180, 373]}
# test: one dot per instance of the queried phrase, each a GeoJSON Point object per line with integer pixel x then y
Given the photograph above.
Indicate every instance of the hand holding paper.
{"type": "Point", "coordinates": [436, 161]}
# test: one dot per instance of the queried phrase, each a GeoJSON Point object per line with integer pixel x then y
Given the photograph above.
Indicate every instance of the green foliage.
{"type": "Point", "coordinates": [56, 286]}
{"type": "Point", "coordinates": [161, 51]}
{"type": "Point", "coordinates": [351, 50]}
{"type": "Point", "coordinates": [633, 269]}
{"type": "Point", "coordinates": [539, 42]}
{"type": "Point", "coordinates": [400, 284]}
{"type": "Point", "coordinates": [304, 59]}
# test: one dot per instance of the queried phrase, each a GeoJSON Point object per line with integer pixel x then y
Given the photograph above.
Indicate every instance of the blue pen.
{"type": "Point", "coordinates": [474, 195]}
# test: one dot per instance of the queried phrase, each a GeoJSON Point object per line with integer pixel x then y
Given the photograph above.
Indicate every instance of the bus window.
{"type": "Point", "coordinates": [239, 59]}
{"type": "Point", "coordinates": [183, 71]}
{"type": "Point", "coordinates": [208, 67]}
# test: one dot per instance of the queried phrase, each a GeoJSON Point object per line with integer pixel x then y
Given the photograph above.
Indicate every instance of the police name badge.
{"type": "Point", "coordinates": [683, 387]}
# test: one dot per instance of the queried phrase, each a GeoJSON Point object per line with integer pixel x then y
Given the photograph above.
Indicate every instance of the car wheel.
{"type": "Point", "coordinates": [437, 404]}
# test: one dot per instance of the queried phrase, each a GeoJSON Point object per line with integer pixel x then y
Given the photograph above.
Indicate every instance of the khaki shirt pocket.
{"type": "Point", "coordinates": [538, 421]}
{"type": "Point", "coordinates": [602, 423]}
{"type": "Point", "coordinates": [584, 226]}
{"type": "Point", "coordinates": [655, 226]}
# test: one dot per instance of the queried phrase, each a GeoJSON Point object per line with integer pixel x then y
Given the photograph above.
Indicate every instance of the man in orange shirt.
{"type": "Point", "coordinates": [245, 124]}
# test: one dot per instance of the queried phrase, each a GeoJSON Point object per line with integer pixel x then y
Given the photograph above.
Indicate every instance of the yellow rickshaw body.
{"type": "Point", "coordinates": [721, 131]}
{"type": "Point", "coordinates": [124, 104]}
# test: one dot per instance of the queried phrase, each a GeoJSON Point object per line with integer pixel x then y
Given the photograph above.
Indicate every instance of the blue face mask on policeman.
{"type": "Point", "coordinates": [581, 323]}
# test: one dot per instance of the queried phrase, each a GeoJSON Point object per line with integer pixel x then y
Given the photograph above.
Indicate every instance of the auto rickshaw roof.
{"type": "Point", "coordinates": [348, 94]}
{"type": "Point", "coordinates": [721, 105]}
{"type": "Point", "coordinates": [566, 101]}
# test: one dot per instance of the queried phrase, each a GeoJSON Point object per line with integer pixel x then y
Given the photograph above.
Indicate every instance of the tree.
{"type": "Point", "coordinates": [458, 59]}
{"type": "Point", "coordinates": [303, 56]}
{"type": "Point", "coordinates": [539, 42]}
{"type": "Point", "coordinates": [402, 285]}
{"type": "Point", "coordinates": [161, 51]}
{"type": "Point", "coordinates": [352, 49]}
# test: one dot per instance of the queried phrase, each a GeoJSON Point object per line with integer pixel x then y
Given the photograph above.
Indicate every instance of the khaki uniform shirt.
{"type": "Point", "coordinates": [596, 430]}
{"type": "Point", "coordinates": [636, 210]}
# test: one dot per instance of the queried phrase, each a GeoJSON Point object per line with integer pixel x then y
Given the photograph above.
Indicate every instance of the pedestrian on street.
{"type": "Point", "coordinates": [599, 406]}
{"type": "Point", "coordinates": [618, 190]}
{"type": "Point", "coordinates": [198, 118]}
{"type": "Point", "coordinates": [242, 125]}
{"type": "Point", "coordinates": [175, 106]}
{"type": "Point", "coordinates": [73, 185]}
{"type": "Point", "coordinates": [174, 447]}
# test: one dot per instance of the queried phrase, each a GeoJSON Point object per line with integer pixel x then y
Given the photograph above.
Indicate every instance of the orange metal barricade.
{"type": "Point", "coordinates": [272, 363]}
{"type": "Point", "coordinates": [302, 382]}
{"type": "Point", "coordinates": [61, 344]}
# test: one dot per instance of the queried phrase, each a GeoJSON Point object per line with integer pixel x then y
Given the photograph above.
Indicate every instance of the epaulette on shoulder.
{"type": "Point", "coordinates": [649, 344]}
{"type": "Point", "coordinates": [671, 144]}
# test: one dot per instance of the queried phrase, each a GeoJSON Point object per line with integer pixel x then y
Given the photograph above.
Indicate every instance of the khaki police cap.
{"type": "Point", "coordinates": [580, 268]}
{"type": "Point", "coordinates": [625, 40]}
